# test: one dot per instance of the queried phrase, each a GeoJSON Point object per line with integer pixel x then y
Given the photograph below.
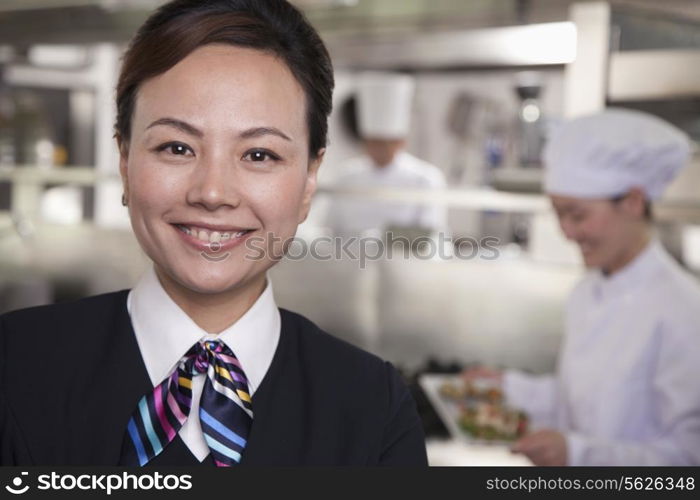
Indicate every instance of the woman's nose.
{"type": "Point", "coordinates": [214, 184]}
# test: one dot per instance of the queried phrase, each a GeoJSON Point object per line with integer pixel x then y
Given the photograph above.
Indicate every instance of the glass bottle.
{"type": "Point", "coordinates": [531, 128]}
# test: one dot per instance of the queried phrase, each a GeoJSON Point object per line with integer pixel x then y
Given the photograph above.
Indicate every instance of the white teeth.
{"type": "Point", "coordinates": [205, 236]}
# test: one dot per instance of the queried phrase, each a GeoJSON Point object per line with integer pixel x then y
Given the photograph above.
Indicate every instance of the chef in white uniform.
{"type": "Point", "coordinates": [627, 385]}
{"type": "Point", "coordinates": [384, 117]}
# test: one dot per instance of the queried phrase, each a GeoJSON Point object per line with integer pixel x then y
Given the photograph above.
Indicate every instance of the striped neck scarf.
{"type": "Point", "coordinates": [225, 409]}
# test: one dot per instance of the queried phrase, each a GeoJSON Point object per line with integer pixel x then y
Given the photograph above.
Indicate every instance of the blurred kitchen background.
{"type": "Point", "coordinates": [493, 77]}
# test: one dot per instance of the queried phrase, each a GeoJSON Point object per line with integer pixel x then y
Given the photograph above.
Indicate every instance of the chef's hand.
{"type": "Point", "coordinates": [545, 447]}
{"type": "Point", "coordinates": [471, 374]}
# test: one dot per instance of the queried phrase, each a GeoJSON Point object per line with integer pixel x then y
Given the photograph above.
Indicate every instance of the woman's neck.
{"type": "Point", "coordinates": [216, 311]}
{"type": "Point", "coordinates": [632, 251]}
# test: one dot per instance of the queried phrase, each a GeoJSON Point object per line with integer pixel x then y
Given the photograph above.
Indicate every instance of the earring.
{"type": "Point", "coordinates": [124, 201]}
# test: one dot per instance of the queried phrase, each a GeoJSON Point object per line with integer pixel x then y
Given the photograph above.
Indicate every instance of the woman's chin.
{"type": "Point", "coordinates": [210, 280]}
{"type": "Point", "coordinates": [594, 262]}
{"type": "Point", "coordinates": [591, 263]}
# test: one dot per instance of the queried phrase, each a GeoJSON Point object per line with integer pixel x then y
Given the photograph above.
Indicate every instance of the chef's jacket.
{"type": "Point", "coordinates": [354, 216]}
{"type": "Point", "coordinates": [627, 386]}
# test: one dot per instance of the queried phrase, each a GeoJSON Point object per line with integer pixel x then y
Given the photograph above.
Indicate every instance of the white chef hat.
{"type": "Point", "coordinates": [607, 154]}
{"type": "Point", "coordinates": [384, 105]}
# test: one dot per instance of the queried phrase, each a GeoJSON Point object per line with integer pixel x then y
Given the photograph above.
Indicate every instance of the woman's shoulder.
{"type": "Point", "coordinates": [319, 347]}
{"type": "Point", "coordinates": [333, 366]}
{"type": "Point", "coordinates": [84, 314]}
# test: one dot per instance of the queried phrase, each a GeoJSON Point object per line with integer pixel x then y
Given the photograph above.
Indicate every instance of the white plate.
{"type": "Point", "coordinates": [447, 410]}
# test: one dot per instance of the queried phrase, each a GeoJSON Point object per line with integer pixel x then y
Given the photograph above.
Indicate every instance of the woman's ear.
{"type": "Point", "coordinates": [123, 160]}
{"type": "Point", "coordinates": [634, 202]}
{"type": "Point", "coordinates": [311, 184]}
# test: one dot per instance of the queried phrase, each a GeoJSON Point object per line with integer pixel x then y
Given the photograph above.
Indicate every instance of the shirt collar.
{"type": "Point", "coordinates": [629, 277]}
{"type": "Point", "coordinates": [394, 165]}
{"type": "Point", "coordinates": [164, 332]}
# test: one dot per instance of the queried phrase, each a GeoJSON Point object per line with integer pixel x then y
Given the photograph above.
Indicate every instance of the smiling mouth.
{"type": "Point", "coordinates": [208, 236]}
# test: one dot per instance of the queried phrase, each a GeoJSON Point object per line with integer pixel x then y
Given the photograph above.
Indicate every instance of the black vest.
{"type": "Point", "coordinates": [71, 375]}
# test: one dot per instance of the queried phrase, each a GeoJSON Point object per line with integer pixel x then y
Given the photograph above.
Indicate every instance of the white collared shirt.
{"type": "Point", "coordinates": [164, 333]}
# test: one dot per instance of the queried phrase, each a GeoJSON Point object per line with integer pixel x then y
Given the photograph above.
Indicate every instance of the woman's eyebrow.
{"type": "Point", "coordinates": [178, 124]}
{"type": "Point", "coordinates": [261, 131]}
{"type": "Point", "coordinates": [194, 131]}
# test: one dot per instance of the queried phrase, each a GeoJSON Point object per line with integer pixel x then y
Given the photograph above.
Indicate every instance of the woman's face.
{"type": "Point", "coordinates": [604, 230]}
{"type": "Point", "coordinates": [217, 169]}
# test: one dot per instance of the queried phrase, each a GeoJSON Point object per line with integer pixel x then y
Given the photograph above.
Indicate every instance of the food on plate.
{"type": "Point", "coordinates": [492, 422]}
{"type": "Point", "coordinates": [469, 390]}
{"type": "Point", "coordinates": [481, 412]}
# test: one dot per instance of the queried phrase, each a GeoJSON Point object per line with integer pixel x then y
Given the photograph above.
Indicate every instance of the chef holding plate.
{"type": "Point", "coordinates": [626, 390]}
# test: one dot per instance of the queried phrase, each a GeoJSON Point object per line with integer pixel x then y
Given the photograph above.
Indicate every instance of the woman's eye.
{"type": "Point", "coordinates": [175, 148]}
{"type": "Point", "coordinates": [259, 155]}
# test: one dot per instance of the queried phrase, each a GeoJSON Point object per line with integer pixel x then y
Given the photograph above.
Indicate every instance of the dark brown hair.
{"type": "Point", "coordinates": [179, 27]}
{"type": "Point", "coordinates": [648, 213]}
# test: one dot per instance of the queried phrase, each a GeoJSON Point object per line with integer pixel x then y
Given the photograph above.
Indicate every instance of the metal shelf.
{"type": "Point", "coordinates": [676, 74]}
{"type": "Point", "coordinates": [513, 46]}
{"type": "Point", "coordinates": [677, 210]}
{"type": "Point", "coordinates": [602, 74]}
{"type": "Point", "coordinates": [86, 176]}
